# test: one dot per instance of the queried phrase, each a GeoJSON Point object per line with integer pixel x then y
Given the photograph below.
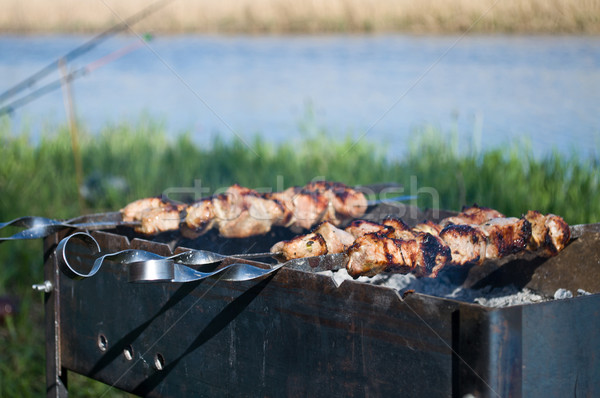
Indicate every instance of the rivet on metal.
{"type": "Point", "coordinates": [45, 287]}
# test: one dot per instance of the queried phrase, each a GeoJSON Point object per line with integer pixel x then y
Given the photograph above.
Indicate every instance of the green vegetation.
{"type": "Point", "coordinates": [40, 180]}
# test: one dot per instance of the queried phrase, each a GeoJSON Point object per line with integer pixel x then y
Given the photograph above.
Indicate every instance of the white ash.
{"type": "Point", "coordinates": [562, 294]}
{"type": "Point", "coordinates": [443, 286]}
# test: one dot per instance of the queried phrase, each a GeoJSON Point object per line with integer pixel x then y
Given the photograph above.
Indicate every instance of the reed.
{"type": "Point", "coordinates": [286, 16]}
{"type": "Point", "coordinates": [125, 162]}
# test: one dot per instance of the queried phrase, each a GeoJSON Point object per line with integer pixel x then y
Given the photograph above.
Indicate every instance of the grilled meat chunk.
{"type": "Point", "coordinates": [134, 211]}
{"type": "Point", "coordinates": [399, 229]}
{"type": "Point", "coordinates": [199, 218]}
{"type": "Point", "coordinates": [473, 215]}
{"type": "Point", "coordinates": [373, 253]}
{"type": "Point", "coordinates": [308, 245]}
{"type": "Point", "coordinates": [319, 201]}
{"type": "Point", "coordinates": [361, 227]}
{"type": "Point", "coordinates": [243, 212]}
{"type": "Point", "coordinates": [154, 214]}
{"type": "Point", "coordinates": [505, 236]}
{"type": "Point", "coordinates": [161, 219]}
{"type": "Point", "coordinates": [338, 240]}
{"type": "Point", "coordinates": [286, 200]}
{"type": "Point", "coordinates": [309, 208]}
{"type": "Point", "coordinates": [344, 202]}
{"type": "Point", "coordinates": [549, 233]}
{"type": "Point", "coordinates": [237, 213]}
{"type": "Point", "coordinates": [391, 227]}
{"type": "Point", "coordinates": [430, 255]}
{"type": "Point", "coordinates": [429, 227]}
{"type": "Point", "coordinates": [324, 239]}
{"type": "Point", "coordinates": [559, 233]}
{"type": "Point", "coordinates": [539, 231]}
{"type": "Point", "coordinates": [467, 243]}
{"type": "Point", "coordinates": [395, 223]}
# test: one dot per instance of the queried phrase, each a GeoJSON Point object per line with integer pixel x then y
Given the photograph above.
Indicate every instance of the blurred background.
{"type": "Point", "coordinates": [494, 102]}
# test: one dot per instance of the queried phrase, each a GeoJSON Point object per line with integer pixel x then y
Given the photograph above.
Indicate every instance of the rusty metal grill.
{"type": "Point", "coordinates": [299, 334]}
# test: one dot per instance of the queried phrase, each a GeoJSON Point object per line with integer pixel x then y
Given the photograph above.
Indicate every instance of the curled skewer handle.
{"type": "Point", "coordinates": [63, 262]}
{"type": "Point", "coordinates": [143, 266]}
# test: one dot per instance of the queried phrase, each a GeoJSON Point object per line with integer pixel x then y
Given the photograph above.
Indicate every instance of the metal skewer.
{"type": "Point", "coordinates": [403, 198]}
{"type": "Point", "coordinates": [40, 227]}
{"type": "Point", "coordinates": [144, 266]}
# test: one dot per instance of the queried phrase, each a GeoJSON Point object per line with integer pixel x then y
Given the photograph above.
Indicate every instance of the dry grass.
{"type": "Point", "coordinates": [310, 16]}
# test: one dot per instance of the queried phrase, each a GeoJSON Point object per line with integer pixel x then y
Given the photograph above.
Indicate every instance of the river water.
{"type": "Point", "coordinates": [487, 90]}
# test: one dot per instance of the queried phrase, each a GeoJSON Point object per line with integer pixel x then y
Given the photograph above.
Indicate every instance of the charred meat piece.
{"type": "Point", "coordinates": [467, 243]}
{"type": "Point", "coordinates": [318, 201]}
{"type": "Point", "coordinates": [286, 200]}
{"type": "Point", "coordinates": [559, 234]}
{"type": "Point", "coordinates": [539, 231]}
{"type": "Point", "coordinates": [400, 229]}
{"type": "Point", "coordinates": [241, 212]}
{"type": "Point", "coordinates": [263, 209]}
{"type": "Point", "coordinates": [199, 218]}
{"type": "Point", "coordinates": [391, 227]}
{"type": "Point", "coordinates": [429, 227]}
{"type": "Point", "coordinates": [324, 239]}
{"type": "Point", "coordinates": [344, 202]}
{"type": "Point", "coordinates": [373, 253]}
{"type": "Point", "coordinates": [549, 233]}
{"type": "Point", "coordinates": [430, 255]}
{"type": "Point", "coordinates": [310, 207]}
{"type": "Point", "coordinates": [505, 236]}
{"type": "Point", "coordinates": [473, 215]}
{"type": "Point", "coordinates": [361, 227]}
{"type": "Point", "coordinates": [395, 223]}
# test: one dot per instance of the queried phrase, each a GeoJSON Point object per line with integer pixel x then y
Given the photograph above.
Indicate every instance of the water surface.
{"type": "Point", "coordinates": [490, 90]}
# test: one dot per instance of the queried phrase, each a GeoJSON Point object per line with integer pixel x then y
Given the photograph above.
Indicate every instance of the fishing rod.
{"type": "Point", "coordinates": [82, 49]}
{"type": "Point", "coordinates": [56, 84]}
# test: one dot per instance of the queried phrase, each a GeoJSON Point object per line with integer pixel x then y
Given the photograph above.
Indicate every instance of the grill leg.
{"type": "Point", "coordinates": [56, 376]}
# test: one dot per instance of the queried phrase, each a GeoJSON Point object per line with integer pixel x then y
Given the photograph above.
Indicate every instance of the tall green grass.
{"type": "Point", "coordinates": [39, 179]}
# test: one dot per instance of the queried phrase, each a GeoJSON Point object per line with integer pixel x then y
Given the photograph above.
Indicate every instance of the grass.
{"type": "Point", "coordinates": [126, 162]}
{"type": "Point", "coordinates": [277, 16]}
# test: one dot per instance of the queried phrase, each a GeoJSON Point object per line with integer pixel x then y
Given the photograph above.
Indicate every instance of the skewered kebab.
{"type": "Point", "coordinates": [241, 212]}
{"type": "Point", "coordinates": [154, 215]}
{"type": "Point", "coordinates": [427, 248]}
{"type": "Point", "coordinates": [325, 238]}
{"type": "Point", "coordinates": [473, 215]}
{"type": "Point", "coordinates": [549, 233]}
{"type": "Point", "coordinates": [373, 253]}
